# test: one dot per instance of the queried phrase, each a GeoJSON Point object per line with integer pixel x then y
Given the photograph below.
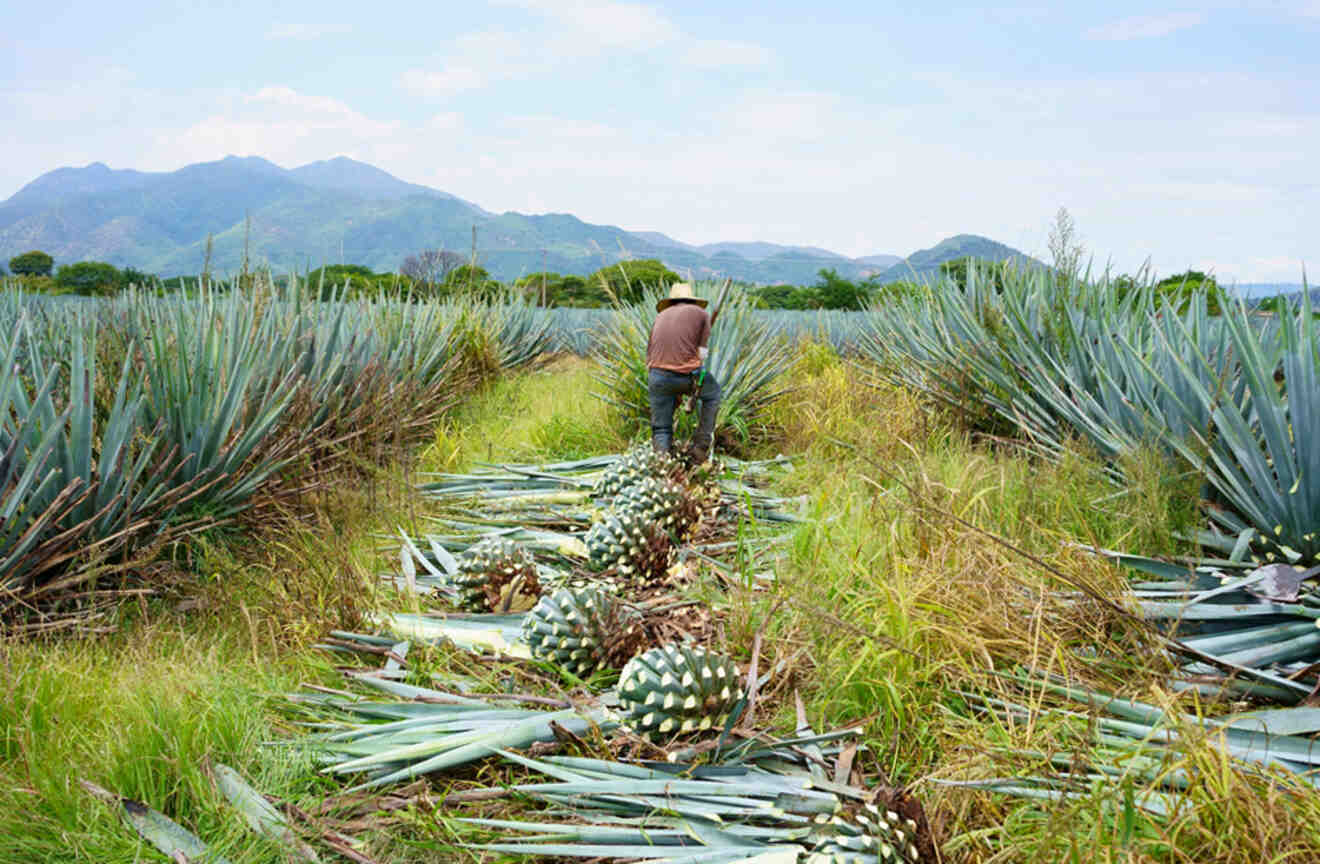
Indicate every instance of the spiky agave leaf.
{"type": "Point", "coordinates": [693, 813]}
{"type": "Point", "coordinates": [1262, 459]}
{"type": "Point", "coordinates": [1242, 632]}
{"type": "Point", "coordinates": [675, 689]}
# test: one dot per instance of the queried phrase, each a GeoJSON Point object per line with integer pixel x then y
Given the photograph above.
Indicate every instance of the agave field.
{"type": "Point", "coordinates": [1017, 570]}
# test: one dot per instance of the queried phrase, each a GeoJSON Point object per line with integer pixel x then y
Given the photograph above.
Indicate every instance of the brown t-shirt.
{"type": "Point", "coordinates": [678, 332]}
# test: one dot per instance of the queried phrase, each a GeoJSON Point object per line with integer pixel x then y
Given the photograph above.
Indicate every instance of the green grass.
{"type": "Point", "coordinates": [138, 713]}
{"type": "Point", "coordinates": [544, 415]}
{"type": "Point", "coordinates": [898, 594]}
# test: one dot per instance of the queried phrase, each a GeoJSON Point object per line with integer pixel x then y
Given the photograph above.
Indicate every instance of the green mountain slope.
{"type": "Point", "coordinates": [925, 263]}
{"type": "Point", "coordinates": [342, 210]}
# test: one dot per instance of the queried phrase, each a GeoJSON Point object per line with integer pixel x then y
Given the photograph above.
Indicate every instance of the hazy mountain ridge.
{"type": "Point", "coordinates": [926, 262]}
{"type": "Point", "coordinates": [344, 210]}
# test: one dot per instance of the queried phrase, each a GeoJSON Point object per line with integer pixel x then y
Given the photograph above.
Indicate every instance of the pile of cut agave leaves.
{"type": "Point", "coordinates": [712, 791]}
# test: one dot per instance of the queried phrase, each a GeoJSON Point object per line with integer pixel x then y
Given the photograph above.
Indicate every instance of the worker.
{"type": "Point", "coordinates": [675, 354]}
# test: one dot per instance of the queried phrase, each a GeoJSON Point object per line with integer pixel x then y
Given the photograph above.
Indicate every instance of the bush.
{"type": "Point", "coordinates": [473, 280]}
{"type": "Point", "coordinates": [1178, 289]}
{"type": "Point", "coordinates": [1181, 288]}
{"type": "Point", "coordinates": [38, 284]}
{"type": "Point", "coordinates": [129, 276]}
{"type": "Point", "coordinates": [348, 281]}
{"type": "Point", "coordinates": [561, 290]}
{"type": "Point", "coordinates": [782, 297]}
{"type": "Point", "coordinates": [629, 281]}
{"type": "Point", "coordinates": [831, 291]}
{"type": "Point", "coordinates": [90, 278]}
{"type": "Point", "coordinates": [34, 263]}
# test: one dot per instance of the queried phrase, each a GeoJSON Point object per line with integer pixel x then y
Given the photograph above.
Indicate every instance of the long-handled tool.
{"type": "Point", "coordinates": [700, 377]}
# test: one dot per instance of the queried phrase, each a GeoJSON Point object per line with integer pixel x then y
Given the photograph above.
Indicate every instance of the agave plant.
{"type": "Point", "coordinates": [77, 478]}
{"type": "Point", "coordinates": [219, 386]}
{"type": "Point", "coordinates": [1258, 453]}
{"type": "Point", "coordinates": [1055, 358]}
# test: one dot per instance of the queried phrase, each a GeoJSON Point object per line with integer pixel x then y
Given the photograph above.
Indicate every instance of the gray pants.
{"type": "Point", "coordinates": [665, 388]}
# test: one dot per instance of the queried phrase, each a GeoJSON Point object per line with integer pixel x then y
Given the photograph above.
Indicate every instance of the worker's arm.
{"type": "Point", "coordinates": [703, 340]}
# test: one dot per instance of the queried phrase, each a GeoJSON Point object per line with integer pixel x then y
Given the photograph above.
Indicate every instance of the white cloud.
{"type": "Point", "coordinates": [576, 31]}
{"type": "Point", "coordinates": [604, 22]}
{"type": "Point", "coordinates": [1277, 268]}
{"type": "Point", "coordinates": [445, 81]}
{"type": "Point", "coordinates": [446, 121]}
{"type": "Point", "coordinates": [715, 53]}
{"type": "Point", "coordinates": [299, 31]}
{"type": "Point", "coordinates": [804, 114]}
{"type": "Point", "coordinates": [547, 129]}
{"type": "Point", "coordinates": [1144, 26]}
{"type": "Point", "coordinates": [284, 125]}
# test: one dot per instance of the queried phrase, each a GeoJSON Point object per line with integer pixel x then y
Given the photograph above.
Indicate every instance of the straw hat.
{"type": "Point", "coordinates": [679, 291]}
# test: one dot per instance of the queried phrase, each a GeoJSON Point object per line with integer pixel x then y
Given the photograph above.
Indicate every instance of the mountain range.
{"type": "Point", "coordinates": [344, 211]}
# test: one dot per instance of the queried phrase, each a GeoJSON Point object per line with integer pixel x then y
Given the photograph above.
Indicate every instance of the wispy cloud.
{"type": "Point", "coordinates": [716, 53]}
{"type": "Point", "coordinates": [575, 30]}
{"type": "Point", "coordinates": [1144, 26]}
{"type": "Point", "coordinates": [299, 31]}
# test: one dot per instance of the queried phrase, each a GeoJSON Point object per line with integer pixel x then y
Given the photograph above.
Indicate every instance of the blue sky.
{"type": "Point", "coordinates": [1183, 134]}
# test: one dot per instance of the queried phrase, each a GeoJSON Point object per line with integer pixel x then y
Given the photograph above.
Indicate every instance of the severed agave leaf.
{"type": "Point", "coordinates": [171, 838]}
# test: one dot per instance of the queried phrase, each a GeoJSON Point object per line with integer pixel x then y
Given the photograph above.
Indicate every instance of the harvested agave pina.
{"type": "Point", "coordinates": [867, 836]}
{"type": "Point", "coordinates": [639, 463]}
{"type": "Point", "coordinates": [626, 541]}
{"type": "Point", "coordinates": [496, 575]}
{"type": "Point", "coordinates": [577, 629]}
{"type": "Point", "coordinates": [675, 689]}
{"type": "Point", "coordinates": [658, 501]}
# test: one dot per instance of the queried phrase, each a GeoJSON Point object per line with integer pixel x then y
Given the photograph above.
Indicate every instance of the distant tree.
{"type": "Point", "coordinates": [129, 276]}
{"type": "Point", "coordinates": [1065, 246]}
{"type": "Point", "coordinates": [468, 280]}
{"type": "Point", "coordinates": [1179, 289]}
{"type": "Point", "coordinates": [628, 281]}
{"type": "Point", "coordinates": [34, 263]}
{"type": "Point", "coordinates": [344, 281]}
{"type": "Point", "coordinates": [430, 266]}
{"type": "Point", "coordinates": [560, 290]}
{"type": "Point", "coordinates": [782, 296]}
{"type": "Point", "coordinates": [832, 291]}
{"type": "Point", "coordinates": [91, 278]}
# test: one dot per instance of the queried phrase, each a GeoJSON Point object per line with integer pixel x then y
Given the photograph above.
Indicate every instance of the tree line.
{"type": "Point", "coordinates": [438, 274]}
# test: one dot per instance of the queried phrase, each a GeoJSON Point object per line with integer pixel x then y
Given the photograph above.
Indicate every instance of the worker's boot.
{"type": "Point", "coordinates": [699, 452]}
{"type": "Point", "coordinates": [662, 440]}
